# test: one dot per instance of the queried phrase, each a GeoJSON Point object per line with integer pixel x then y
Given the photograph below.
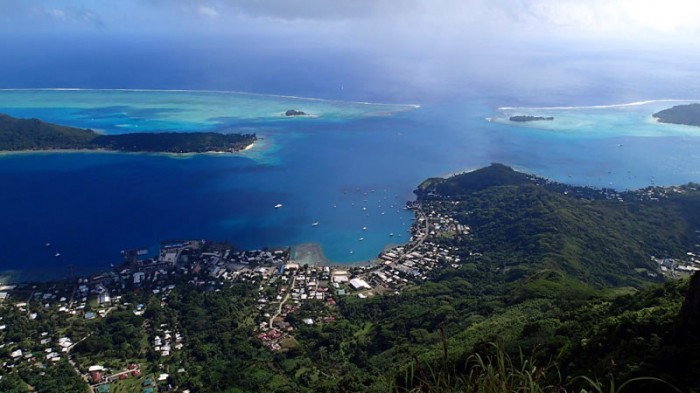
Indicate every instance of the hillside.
{"type": "Point", "coordinates": [33, 134]}
{"type": "Point", "coordinates": [688, 115]}
{"type": "Point", "coordinates": [598, 237]}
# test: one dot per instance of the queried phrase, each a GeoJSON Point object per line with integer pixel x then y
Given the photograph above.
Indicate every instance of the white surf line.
{"type": "Point", "coordinates": [637, 103]}
{"type": "Point", "coordinates": [414, 106]}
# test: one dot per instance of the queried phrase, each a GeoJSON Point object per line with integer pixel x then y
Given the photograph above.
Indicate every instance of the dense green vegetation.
{"type": "Point", "coordinates": [680, 114]}
{"type": "Point", "coordinates": [174, 142]}
{"type": "Point", "coordinates": [526, 118]}
{"type": "Point", "coordinates": [33, 134]}
{"type": "Point", "coordinates": [530, 227]}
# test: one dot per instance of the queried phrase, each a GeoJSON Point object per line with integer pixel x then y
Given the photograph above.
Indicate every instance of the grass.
{"type": "Point", "coordinates": [500, 373]}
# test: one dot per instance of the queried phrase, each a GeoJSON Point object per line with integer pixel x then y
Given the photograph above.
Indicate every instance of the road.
{"type": "Point", "coordinates": [421, 214]}
{"type": "Point", "coordinates": [284, 300]}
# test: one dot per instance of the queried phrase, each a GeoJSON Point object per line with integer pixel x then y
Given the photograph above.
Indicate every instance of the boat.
{"type": "Point", "coordinates": [58, 254]}
{"type": "Point", "coordinates": [277, 206]}
{"type": "Point", "coordinates": [314, 223]}
{"type": "Point", "coordinates": [364, 228]}
{"type": "Point", "coordinates": [361, 239]}
{"type": "Point", "coordinates": [391, 234]}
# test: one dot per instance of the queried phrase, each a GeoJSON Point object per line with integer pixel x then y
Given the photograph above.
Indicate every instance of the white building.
{"type": "Point", "coordinates": [358, 283]}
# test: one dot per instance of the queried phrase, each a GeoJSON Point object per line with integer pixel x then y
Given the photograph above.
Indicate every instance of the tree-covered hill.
{"type": "Point", "coordinates": [688, 115]}
{"type": "Point", "coordinates": [34, 134]}
{"type": "Point", "coordinates": [528, 224]}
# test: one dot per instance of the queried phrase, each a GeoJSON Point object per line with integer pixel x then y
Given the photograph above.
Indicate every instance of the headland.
{"type": "Point", "coordinates": [36, 135]}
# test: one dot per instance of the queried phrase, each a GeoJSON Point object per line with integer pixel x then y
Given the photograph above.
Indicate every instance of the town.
{"type": "Point", "coordinates": [284, 286]}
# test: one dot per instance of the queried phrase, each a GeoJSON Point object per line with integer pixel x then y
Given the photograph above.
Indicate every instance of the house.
{"type": "Point", "coordinates": [104, 297]}
{"type": "Point", "coordinates": [138, 277]}
{"type": "Point", "coordinates": [358, 283]}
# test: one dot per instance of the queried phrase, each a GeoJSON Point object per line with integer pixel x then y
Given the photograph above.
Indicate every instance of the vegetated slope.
{"type": "Point", "coordinates": [596, 236]}
{"type": "Point", "coordinates": [175, 142]}
{"type": "Point", "coordinates": [34, 134]}
{"type": "Point", "coordinates": [680, 114]}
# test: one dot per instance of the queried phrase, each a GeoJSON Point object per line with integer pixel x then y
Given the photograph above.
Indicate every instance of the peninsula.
{"type": "Point", "coordinates": [526, 118]}
{"type": "Point", "coordinates": [36, 135]}
{"type": "Point", "coordinates": [688, 115]}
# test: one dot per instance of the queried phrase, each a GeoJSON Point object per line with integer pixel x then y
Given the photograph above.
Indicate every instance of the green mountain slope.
{"type": "Point", "coordinates": [34, 134]}
{"type": "Point", "coordinates": [680, 114]}
{"type": "Point", "coordinates": [601, 238]}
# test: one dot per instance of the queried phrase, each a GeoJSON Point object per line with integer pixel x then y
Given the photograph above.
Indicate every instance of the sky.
{"type": "Point", "coordinates": [394, 50]}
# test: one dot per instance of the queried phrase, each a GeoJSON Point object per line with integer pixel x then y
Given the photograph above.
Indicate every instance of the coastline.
{"type": "Point", "coordinates": [11, 277]}
{"type": "Point", "coordinates": [107, 151]}
{"type": "Point", "coordinates": [304, 253]}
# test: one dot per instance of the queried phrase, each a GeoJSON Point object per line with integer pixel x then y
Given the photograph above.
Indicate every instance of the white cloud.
{"type": "Point", "coordinates": [650, 16]}
{"type": "Point", "coordinates": [74, 15]}
{"type": "Point", "coordinates": [207, 11]}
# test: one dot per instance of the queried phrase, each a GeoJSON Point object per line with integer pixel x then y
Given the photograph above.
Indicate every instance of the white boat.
{"type": "Point", "coordinates": [361, 239]}
{"type": "Point", "coordinates": [315, 223]}
{"type": "Point", "coordinates": [364, 228]}
{"type": "Point", "coordinates": [58, 254]}
{"type": "Point", "coordinates": [277, 206]}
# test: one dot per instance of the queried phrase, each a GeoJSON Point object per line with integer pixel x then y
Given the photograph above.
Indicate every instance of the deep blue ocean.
{"type": "Point", "coordinates": [352, 165]}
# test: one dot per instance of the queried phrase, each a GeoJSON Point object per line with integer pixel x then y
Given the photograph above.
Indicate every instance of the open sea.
{"type": "Point", "coordinates": [348, 166]}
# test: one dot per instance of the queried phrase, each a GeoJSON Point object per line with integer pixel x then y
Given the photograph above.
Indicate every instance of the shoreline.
{"type": "Point", "coordinates": [13, 276]}
{"type": "Point", "coordinates": [217, 153]}
{"type": "Point", "coordinates": [303, 253]}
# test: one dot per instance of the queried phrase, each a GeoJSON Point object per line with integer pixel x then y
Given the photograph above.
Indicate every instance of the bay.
{"type": "Point", "coordinates": [349, 166]}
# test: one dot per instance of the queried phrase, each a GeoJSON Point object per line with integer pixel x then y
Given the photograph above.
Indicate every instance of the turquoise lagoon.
{"type": "Point", "coordinates": [348, 166]}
